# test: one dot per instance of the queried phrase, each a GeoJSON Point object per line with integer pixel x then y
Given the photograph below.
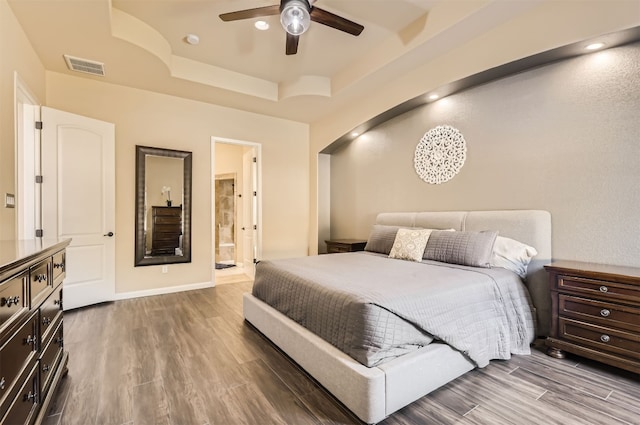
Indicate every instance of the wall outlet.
{"type": "Point", "coordinates": [165, 269]}
{"type": "Point", "coordinates": [9, 200]}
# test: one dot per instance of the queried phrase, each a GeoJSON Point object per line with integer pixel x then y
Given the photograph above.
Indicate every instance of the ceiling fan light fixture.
{"type": "Point", "coordinates": [295, 17]}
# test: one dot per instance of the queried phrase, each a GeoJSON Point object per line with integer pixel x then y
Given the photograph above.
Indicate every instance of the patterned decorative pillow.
{"type": "Point", "coordinates": [465, 248]}
{"type": "Point", "coordinates": [409, 244]}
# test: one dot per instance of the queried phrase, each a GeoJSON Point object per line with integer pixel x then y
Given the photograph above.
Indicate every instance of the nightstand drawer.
{"type": "Point", "coordinates": [601, 338]}
{"type": "Point", "coordinates": [599, 288]}
{"type": "Point", "coordinates": [603, 313]}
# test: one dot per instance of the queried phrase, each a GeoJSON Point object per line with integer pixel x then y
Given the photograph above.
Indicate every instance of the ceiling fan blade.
{"type": "Point", "coordinates": [292, 44]}
{"type": "Point", "coordinates": [258, 12]}
{"type": "Point", "coordinates": [334, 21]}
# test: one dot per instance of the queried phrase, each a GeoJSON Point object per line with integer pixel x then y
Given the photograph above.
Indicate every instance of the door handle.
{"type": "Point", "coordinates": [110, 234]}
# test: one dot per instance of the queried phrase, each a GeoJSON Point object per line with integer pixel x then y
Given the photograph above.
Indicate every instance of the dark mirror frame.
{"type": "Point", "coordinates": [141, 155]}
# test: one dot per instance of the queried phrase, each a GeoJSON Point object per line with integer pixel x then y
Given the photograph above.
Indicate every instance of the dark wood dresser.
{"type": "Point", "coordinates": [344, 245]}
{"type": "Point", "coordinates": [595, 312]}
{"type": "Point", "coordinates": [32, 358]}
{"type": "Point", "coordinates": [166, 230]}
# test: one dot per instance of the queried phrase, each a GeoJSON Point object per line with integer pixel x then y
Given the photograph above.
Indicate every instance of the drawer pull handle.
{"type": "Point", "coordinates": [2, 382]}
{"type": "Point", "coordinates": [32, 397]}
{"type": "Point", "coordinates": [46, 321]}
{"type": "Point", "coordinates": [60, 341]}
{"type": "Point", "coordinates": [58, 266]}
{"type": "Point", "coordinates": [45, 368]}
{"type": "Point", "coordinates": [10, 301]}
{"type": "Point", "coordinates": [604, 289]}
{"type": "Point", "coordinates": [31, 340]}
{"type": "Point", "coordinates": [57, 302]}
{"type": "Point", "coordinates": [604, 312]}
{"type": "Point", "coordinates": [41, 278]}
{"type": "Point", "coordinates": [605, 338]}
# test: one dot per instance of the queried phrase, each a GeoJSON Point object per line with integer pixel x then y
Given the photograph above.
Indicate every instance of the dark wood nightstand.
{"type": "Point", "coordinates": [595, 312]}
{"type": "Point", "coordinates": [345, 245]}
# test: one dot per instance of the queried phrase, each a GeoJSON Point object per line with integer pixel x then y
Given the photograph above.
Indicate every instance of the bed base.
{"type": "Point", "coordinates": [373, 393]}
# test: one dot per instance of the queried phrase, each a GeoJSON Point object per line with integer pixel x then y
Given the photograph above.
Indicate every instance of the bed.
{"type": "Point", "coordinates": [375, 383]}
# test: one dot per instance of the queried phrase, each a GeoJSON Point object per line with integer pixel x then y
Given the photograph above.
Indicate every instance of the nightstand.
{"type": "Point", "coordinates": [595, 312]}
{"type": "Point", "coordinates": [345, 245]}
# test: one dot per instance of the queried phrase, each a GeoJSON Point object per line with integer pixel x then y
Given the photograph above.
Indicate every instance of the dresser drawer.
{"type": "Point", "coordinates": [51, 355]}
{"type": "Point", "coordinates": [599, 288]}
{"type": "Point", "coordinates": [58, 266]}
{"type": "Point", "coordinates": [39, 285]}
{"type": "Point", "coordinates": [24, 407]}
{"type": "Point", "coordinates": [13, 301]}
{"type": "Point", "coordinates": [50, 312]}
{"type": "Point", "coordinates": [602, 338]}
{"type": "Point", "coordinates": [599, 312]}
{"type": "Point", "coordinates": [17, 352]}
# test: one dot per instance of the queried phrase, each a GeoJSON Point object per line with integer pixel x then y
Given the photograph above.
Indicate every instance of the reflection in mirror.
{"type": "Point", "coordinates": [163, 206]}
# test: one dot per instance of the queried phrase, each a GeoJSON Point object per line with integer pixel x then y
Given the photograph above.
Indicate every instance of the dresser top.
{"type": "Point", "coordinates": [15, 253]}
{"type": "Point", "coordinates": [594, 269]}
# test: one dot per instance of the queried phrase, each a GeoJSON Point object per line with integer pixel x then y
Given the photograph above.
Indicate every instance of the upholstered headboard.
{"type": "Point", "coordinates": [532, 227]}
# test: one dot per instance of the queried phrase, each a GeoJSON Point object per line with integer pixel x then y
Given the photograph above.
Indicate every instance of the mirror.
{"type": "Point", "coordinates": [163, 206]}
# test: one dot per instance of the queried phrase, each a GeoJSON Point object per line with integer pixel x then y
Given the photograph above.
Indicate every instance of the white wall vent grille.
{"type": "Point", "coordinates": [84, 65]}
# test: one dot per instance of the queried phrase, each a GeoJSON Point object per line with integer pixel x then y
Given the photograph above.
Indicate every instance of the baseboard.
{"type": "Point", "coordinates": [161, 291]}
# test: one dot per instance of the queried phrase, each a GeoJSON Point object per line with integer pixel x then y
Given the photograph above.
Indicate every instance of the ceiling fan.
{"type": "Point", "coordinates": [295, 17]}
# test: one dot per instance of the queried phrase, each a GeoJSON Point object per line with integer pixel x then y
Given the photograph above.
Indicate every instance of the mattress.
{"type": "Point", "coordinates": [374, 308]}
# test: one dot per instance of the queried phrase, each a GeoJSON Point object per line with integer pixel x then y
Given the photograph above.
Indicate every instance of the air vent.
{"type": "Point", "coordinates": [84, 65]}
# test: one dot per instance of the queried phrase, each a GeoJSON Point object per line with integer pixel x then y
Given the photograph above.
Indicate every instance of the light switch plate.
{"type": "Point", "coordinates": [9, 200]}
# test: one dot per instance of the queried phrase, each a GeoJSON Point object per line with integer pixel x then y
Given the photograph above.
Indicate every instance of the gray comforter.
{"type": "Point", "coordinates": [375, 308]}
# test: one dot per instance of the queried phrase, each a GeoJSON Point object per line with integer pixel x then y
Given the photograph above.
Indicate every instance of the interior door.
{"type": "Point", "coordinates": [249, 210]}
{"type": "Point", "coordinates": [78, 202]}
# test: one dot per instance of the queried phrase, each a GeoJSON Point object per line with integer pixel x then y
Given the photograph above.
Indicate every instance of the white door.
{"type": "Point", "coordinates": [249, 210]}
{"type": "Point", "coordinates": [78, 202]}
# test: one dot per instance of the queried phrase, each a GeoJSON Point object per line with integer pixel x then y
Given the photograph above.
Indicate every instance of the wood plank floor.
{"type": "Point", "coordinates": [189, 358]}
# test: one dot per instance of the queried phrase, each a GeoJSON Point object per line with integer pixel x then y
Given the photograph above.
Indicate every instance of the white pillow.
{"type": "Point", "coordinates": [409, 244]}
{"type": "Point", "coordinates": [512, 255]}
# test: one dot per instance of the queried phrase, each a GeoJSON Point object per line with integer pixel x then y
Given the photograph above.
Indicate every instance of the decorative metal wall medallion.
{"type": "Point", "coordinates": [440, 154]}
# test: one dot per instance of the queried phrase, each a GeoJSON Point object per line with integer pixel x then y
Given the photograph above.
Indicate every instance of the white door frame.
{"type": "Point", "coordinates": [258, 150]}
{"type": "Point", "coordinates": [27, 157]}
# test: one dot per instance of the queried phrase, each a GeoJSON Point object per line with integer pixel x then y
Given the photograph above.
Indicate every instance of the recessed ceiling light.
{"type": "Point", "coordinates": [192, 39]}
{"type": "Point", "coordinates": [595, 46]}
{"type": "Point", "coordinates": [433, 97]}
{"type": "Point", "coordinates": [261, 25]}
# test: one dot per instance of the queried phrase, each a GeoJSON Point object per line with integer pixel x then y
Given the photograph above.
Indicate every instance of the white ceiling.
{"type": "Point", "coordinates": [142, 44]}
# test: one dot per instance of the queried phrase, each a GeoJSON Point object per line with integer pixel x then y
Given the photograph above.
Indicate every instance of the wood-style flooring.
{"type": "Point", "coordinates": [189, 358]}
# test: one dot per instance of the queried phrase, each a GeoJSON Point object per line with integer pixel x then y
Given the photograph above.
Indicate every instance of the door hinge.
{"type": "Point", "coordinates": [255, 193]}
{"type": "Point", "coordinates": [38, 179]}
{"type": "Point", "coordinates": [256, 261]}
{"type": "Point", "coordinates": [39, 233]}
{"type": "Point", "coordinates": [255, 227]}
{"type": "Point", "coordinates": [255, 159]}
{"type": "Point", "coordinates": [38, 125]}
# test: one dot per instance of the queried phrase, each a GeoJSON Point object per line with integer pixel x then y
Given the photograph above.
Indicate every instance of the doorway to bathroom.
{"type": "Point", "coordinates": [226, 213]}
{"type": "Point", "coordinates": [236, 198]}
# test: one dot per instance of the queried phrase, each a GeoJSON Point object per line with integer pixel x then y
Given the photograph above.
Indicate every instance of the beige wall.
{"type": "Point", "coordinates": [151, 119]}
{"type": "Point", "coordinates": [562, 138]}
{"type": "Point", "coordinates": [16, 55]}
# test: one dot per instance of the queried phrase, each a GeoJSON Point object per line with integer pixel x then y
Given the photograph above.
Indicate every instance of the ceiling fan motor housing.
{"type": "Point", "coordinates": [295, 16]}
